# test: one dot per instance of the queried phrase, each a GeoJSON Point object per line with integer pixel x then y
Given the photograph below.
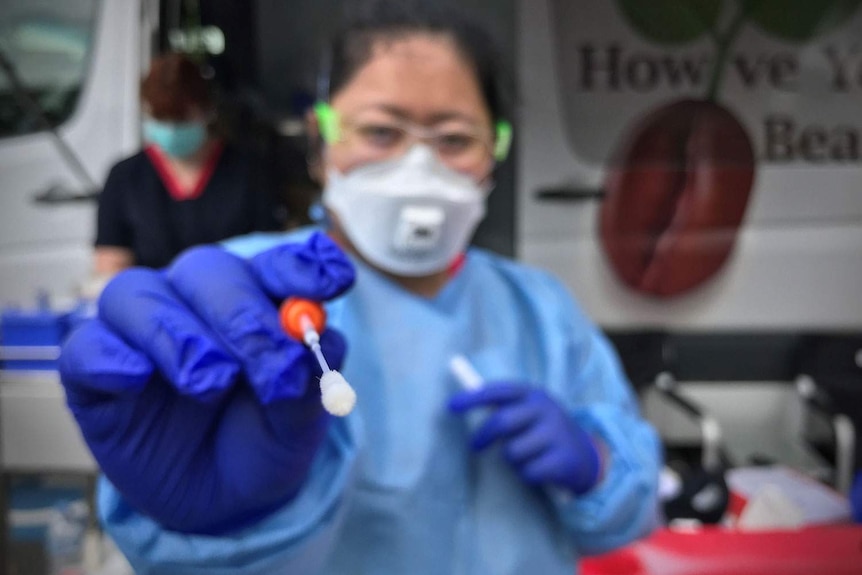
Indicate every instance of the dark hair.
{"type": "Point", "coordinates": [174, 86]}
{"type": "Point", "coordinates": [369, 21]}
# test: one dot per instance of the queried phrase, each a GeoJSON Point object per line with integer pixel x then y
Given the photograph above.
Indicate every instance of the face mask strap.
{"type": "Point", "coordinates": [327, 120]}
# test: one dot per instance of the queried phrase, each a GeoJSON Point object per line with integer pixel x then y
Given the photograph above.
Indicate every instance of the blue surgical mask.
{"type": "Point", "coordinates": [179, 140]}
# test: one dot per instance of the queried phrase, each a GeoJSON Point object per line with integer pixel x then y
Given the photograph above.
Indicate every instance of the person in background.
{"type": "Point", "coordinates": [206, 419]}
{"type": "Point", "coordinates": [186, 187]}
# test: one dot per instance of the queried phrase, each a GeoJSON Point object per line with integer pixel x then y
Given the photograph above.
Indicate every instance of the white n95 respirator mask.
{"type": "Point", "coordinates": [410, 216]}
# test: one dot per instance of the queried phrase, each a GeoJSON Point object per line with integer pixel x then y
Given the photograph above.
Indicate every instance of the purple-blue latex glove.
{"type": "Point", "coordinates": [543, 443]}
{"type": "Point", "coordinates": [856, 498]}
{"type": "Point", "coordinates": [199, 409]}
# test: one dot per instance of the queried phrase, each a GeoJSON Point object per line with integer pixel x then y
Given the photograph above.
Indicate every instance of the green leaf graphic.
{"type": "Point", "coordinates": [800, 20]}
{"type": "Point", "coordinates": [671, 21]}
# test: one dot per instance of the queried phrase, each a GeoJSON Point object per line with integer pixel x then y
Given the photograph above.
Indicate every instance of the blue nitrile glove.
{"type": "Point", "coordinates": [856, 498]}
{"type": "Point", "coordinates": [543, 443]}
{"type": "Point", "coordinates": [198, 408]}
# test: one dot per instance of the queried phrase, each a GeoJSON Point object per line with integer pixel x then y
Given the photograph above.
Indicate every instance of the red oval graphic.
{"type": "Point", "coordinates": [675, 195]}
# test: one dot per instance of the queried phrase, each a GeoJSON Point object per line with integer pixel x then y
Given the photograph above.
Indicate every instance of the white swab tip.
{"type": "Point", "coordinates": [336, 394]}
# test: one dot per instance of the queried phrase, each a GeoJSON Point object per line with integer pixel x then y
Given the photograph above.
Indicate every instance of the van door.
{"type": "Point", "coordinates": [80, 61]}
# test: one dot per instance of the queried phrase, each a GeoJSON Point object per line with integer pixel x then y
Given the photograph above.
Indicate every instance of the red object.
{"type": "Point", "coordinates": [292, 311]}
{"type": "Point", "coordinates": [832, 550]}
{"type": "Point", "coordinates": [166, 174]}
{"type": "Point", "coordinates": [456, 265]}
{"type": "Point", "coordinates": [736, 504]}
{"type": "Point", "coordinates": [676, 192]}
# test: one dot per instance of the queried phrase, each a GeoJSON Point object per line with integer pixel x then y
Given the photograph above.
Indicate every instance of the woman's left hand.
{"type": "Point", "coordinates": [543, 442]}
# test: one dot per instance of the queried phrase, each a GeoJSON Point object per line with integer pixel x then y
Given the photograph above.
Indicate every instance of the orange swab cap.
{"type": "Point", "coordinates": [291, 312]}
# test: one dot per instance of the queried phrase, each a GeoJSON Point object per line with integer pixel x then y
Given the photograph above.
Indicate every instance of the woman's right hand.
{"type": "Point", "coordinates": [200, 411]}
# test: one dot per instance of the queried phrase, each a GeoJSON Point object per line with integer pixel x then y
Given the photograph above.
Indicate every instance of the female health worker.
{"type": "Point", "coordinates": [187, 187]}
{"type": "Point", "coordinates": [206, 419]}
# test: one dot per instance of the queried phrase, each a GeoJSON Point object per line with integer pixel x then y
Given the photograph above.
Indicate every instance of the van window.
{"type": "Point", "coordinates": [48, 45]}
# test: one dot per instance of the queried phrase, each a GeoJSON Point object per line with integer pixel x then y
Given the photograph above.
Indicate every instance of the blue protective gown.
{"type": "Point", "coordinates": [395, 488]}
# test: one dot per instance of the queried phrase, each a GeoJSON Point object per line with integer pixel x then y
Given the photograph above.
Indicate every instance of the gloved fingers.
{"type": "Point", "coordinates": [270, 437]}
{"type": "Point", "coordinates": [301, 382]}
{"type": "Point", "coordinates": [490, 395]}
{"type": "Point", "coordinates": [505, 422]}
{"type": "Point", "coordinates": [96, 364]}
{"type": "Point", "coordinates": [528, 445]}
{"type": "Point", "coordinates": [223, 291]}
{"type": "Point", "coordinates": [575, 467]}
{"type": "Point", "coordinates": [317, 269]}
{"type": "Point", "coordinates": [546, 468]}
{"type": "Point", "coordinates": [141, 308]}
{"type": "Point", "coordinates": [287, 417]}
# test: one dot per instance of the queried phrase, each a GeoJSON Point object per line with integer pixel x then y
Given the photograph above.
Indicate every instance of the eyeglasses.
{"type": "Point", "coordinates": [462, 148]}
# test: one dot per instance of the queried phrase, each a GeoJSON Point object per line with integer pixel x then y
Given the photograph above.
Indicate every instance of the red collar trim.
{"type": "Point", "coordinates": [166, 174]}
{"type": "Point", "coordinates": [457, 265]}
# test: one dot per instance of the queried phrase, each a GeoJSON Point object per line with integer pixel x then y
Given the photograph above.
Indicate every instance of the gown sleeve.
{"type": "Point", "coordinates": [624, 505]}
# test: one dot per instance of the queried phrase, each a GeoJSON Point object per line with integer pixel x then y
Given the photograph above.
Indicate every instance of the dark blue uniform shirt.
{"type": "Point", "coordinates": [139, 212]}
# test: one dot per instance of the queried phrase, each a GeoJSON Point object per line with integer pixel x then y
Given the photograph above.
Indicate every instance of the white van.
{"type": "Point", "coordinates": [591, 70]}
{"type": "Point", "coordinates": [69, 81]}
{"type": "Point", "coordinates": [80, 62]}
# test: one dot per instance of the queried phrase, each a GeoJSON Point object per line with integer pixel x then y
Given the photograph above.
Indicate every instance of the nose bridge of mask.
{"type": "Point", "coordinates": [423, 167]}
{"type": "Point", "coordinates": [418, 173]}
{"type": "Point", "coordinates": [154, 130]}
{"type": "Point", "coordinates": [420, 154]}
